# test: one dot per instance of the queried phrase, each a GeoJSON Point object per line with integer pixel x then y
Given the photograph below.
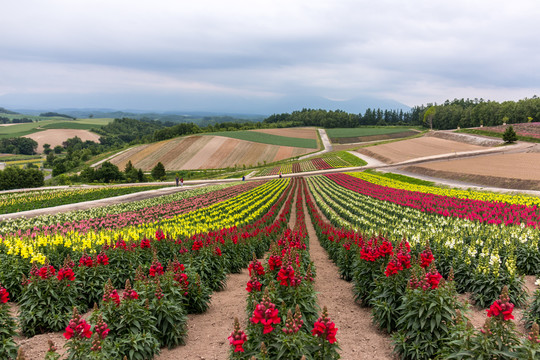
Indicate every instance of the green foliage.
{"type": "Point", "coordinates": [365, 131]}
{"type": "Point", "coordinates": [402, 178]}
{"type": "Point", "coordinates": [46, 303]}
{"type": "Point", "coordinates": [351, 159]}
{"type": "Point", "coordinates": [473, 113]}
{"type": "Point", "coordinates": [424, 324]}
{"type": "Point", "coordinates": [8, 347]}
{"type": "Point", "coordinates": [532, 314]}
{"type": "Point", "coordinates": [158, 172]}
{"type": "Point", "coordinates": [18, 145]}
{"type": "Point", "coordinates": [509, 135]}
{"type": "Point", "coordinates": [16, 178]}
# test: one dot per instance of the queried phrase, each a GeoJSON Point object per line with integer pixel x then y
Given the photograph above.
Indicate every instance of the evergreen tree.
{"type": "Point", "coordinates": [158, 172]}
{"type": "Point", "coordinates": [510, 135]}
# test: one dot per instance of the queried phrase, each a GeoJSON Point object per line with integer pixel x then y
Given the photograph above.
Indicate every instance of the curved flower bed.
{"type": "Point", "coordinates": [474, 210]}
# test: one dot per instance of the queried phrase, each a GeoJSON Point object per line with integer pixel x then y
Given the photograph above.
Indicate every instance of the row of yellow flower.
{"type": "Point", "coordinates": [239, 210]}
{"type": "Point", "coordinates": [23, 197]}
{"type": "Point", "coordinates": [462, 194]}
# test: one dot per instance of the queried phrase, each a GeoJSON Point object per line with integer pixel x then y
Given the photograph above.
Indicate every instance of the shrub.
{"type": "Point", "coordinates": [427, 310]}
{"type": "Point", "coordinates": [48, 299]}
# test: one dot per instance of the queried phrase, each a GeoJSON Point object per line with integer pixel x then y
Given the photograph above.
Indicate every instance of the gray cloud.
{"type": "Point", "coordinates": [415, 51]}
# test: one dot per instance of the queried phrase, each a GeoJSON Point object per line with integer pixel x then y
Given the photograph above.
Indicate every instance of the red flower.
{"type": "Point", "coordinates": [502, 307]}
{"type": "Point", "coordinates": [86, 260]}
{"type": "Point", "coordinates": [393, 267]}
{"type": "Point", "coordinates": [145, 243]}
{"type": "Point", "coordinates": [256, 267]}
{"type": "Point", "coordinates": [159, 235]}
{"type": "Point", "coordinates": [217, 251]}
{"type": "Point", "coordinates": [103, 259]}
{"type": "Point", "coordinates": [237, 337]}
{"type": "Point", "coordinates": [130, 294]}
{"type": "Point", "coordinates": [274, 262]}
{"type": "Point", "coordinates": [433, 279]}
{"type": "Point", "coordinates": [46, 272]}
{"type": "Point", "coordinates": [266, 314]}
{"type": "Point", "coordinates": [286, 276]}
{"type": "Point", "coordinates": [4, 295]}
{"type": "Point", "coordinates": [325, 328]}
{"type": "Point", "coordinates": [197, 245]}
{"type": "Point", "coordinates": [78, 327]}
{"type": "Point", "coordinates": [155, 269]}
{"type": "Point", "coordinates": [253, 284]}
{"type": "Point", "coordinates": [65, 273]}
{"type": "Point", "coordinates": [426, 257]}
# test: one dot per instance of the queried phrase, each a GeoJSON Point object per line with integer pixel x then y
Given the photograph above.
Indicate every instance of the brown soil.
{"type": "Point", "coordinates": [478, 316]}
{"type": "Point", "coordinates": [416, 148]}
{"type": "Point", "coordinates": [55, 137]}
{"type": "Point", "coordinates": [512, 171]}
{"type": "Point", "coordinates": [205, 152]}
{"type": "Point", "coordinates": [302, 133]}
{"type": "Point", "coordinates": [358, 338]}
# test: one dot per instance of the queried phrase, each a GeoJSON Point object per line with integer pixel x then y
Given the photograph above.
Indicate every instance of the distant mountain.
{"type": "Point", "coordinates": [6, 111]}
{"type": "Point", "coordinates": [198, 106]}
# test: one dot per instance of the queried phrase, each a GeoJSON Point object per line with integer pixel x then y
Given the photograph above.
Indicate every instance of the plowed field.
{"type": "Point", "coordinates": [205, 152]}
{"type": "Point", "coordinates": [55, 137]}
{"type": "Point", "coordinates": [416, 148]}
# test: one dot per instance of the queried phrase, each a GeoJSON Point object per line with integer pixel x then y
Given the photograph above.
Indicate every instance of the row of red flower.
{"type": "Point", "coordinates": [293, 328]}
{"type": "Point", "coordinates": [474, 210]}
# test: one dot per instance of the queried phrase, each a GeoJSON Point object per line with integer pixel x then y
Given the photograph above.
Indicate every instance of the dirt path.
{"type": "Point", "coordinates": [357, 336]}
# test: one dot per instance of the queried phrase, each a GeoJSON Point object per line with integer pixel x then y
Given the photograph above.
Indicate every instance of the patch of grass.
{"type": "Point", "coordinates": [365, 131]}
{"type": "Point", "coordinates": [70, 125]}
{"type": "Point", "coordinates": [496, 134]}
{"type": "Point", "coordinates": [402, 178]}
{"type": "Point", "coordinates": [350, 158]}
{"type": "Point", "coordinates": [270, 139]}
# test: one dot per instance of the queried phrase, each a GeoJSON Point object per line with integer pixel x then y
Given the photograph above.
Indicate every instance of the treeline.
{"type": "Point", "coordinates": [18, 145]}
{"type": "Point", "coordinates": [55, 114]}
{"type": "Point", "coordinates": [6, 120]}
{"type": "Point", "coordinates": [125, 131]}
{"type": "Point", "coordinates": [342, 119]}
{"type": "Point", "coordinates": [15, 178]}
{"type": "Point", "coordinates": [474, 113]}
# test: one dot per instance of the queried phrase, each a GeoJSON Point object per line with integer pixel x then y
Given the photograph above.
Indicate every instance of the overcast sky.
{"type": "Point", "coordinates": [167, 55]}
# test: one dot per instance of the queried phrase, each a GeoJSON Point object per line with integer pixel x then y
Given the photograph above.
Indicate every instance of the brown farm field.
{"type": "Point", "coordinates": [398, 151]}
{"type": "Point", "coordinates": [302, 133]}
{"type": "Point", "coordinates": [204, 152]}
{"type": "Point", "coordinates": [55, 137]}
{"type": "Point", "coordinates": [518, 171]}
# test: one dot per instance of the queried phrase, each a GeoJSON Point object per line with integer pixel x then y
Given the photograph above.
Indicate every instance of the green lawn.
{"type": "Point", "coordinates": [268, 139]}
{"type": "Point", "coordinates": [365, 131]}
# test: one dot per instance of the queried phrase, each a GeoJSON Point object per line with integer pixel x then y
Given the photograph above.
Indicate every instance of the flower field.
{"type": "Point", "coordinates": [144, 268]}
{"type": "Point", "coordinates": [22, 201]}
{"type": "Point", "coordinates": [338, 160]}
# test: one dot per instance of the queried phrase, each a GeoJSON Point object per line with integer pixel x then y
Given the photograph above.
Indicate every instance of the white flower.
{"type": "Point", "coordinates": [537, 283]}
